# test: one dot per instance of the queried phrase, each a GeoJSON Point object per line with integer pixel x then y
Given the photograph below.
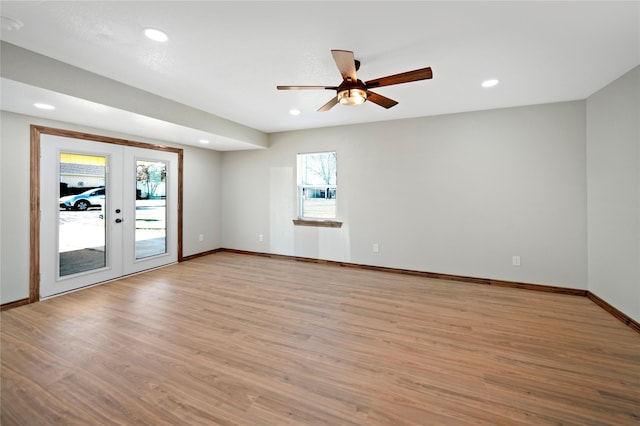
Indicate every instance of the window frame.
{"type": "Point", "coordinates": [331, 222]}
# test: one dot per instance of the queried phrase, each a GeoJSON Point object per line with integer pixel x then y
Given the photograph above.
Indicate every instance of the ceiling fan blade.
{"type": "Point", "coordinates": [346, 63]}
{"type": "Point", "coordinates": [307, 87]}
{"type": "Point", "coordinates": [405, 77]}
{"type": "Point", "coordinates": [329, 105]}
{"type": "Point", "coordinates": [383, 101]}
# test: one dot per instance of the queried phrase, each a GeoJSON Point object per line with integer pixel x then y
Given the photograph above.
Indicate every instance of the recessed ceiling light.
{"type": "Point", "coordinates": [156, 35]}
{"type": "Point", "coordinates": [490, 83]}
{"type": "Point", "coordinates": [204, 141]}
{"type": "Point", "coordinates": [294, 111]}
{"type": "Point", "coordinates": [10, 24]}
{"type": "Point", "coordinates": [43, 106]}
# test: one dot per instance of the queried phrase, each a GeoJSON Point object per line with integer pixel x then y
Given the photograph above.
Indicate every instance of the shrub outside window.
{"type": "Point", "coordinates": [317, 178]}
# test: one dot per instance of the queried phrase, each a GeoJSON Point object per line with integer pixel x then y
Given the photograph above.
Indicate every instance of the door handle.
{"type": "Point", "coordinates": [118, 220]}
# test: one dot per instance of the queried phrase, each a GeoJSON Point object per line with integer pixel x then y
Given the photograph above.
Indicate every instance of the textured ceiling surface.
{"type": "Point", "coordinates": [226, 58]}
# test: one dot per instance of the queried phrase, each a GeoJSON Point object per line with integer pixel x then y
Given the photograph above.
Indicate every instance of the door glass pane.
{"type": "Point", "coordinates": [81, 224]}
{"type": "Point", "coordinates": [151, 210]}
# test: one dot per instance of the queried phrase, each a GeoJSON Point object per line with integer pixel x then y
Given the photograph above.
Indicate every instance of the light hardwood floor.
{"type": "Point", "coordinates": [234, 339]}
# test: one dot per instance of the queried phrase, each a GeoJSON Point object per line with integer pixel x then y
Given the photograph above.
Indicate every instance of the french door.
{"type": "Point", "coordinates": [107, 210]}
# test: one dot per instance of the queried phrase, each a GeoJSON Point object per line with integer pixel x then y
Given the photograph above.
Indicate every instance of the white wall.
{"type": "Point", "coordinates": [613, 178]}
{"type": "Point", "coordinates": [457, 194]}
{"type": "Point", "coordinates": [201, 200]}
{"type": "Point", "coordinates": [201, 209]}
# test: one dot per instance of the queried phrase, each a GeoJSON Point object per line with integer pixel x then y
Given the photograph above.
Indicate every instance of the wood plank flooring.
{"type": "Point", "coordinates": [233, 339]}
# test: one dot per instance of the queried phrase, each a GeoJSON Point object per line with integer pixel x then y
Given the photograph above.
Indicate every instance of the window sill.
{"type": "Point", "coordinates": [318, 223]}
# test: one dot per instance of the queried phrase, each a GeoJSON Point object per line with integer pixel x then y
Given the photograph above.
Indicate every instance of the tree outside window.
{"type": "Point", "coordinates": [317, 185]}
{"type": "Point", "coordinates": [150, 179]}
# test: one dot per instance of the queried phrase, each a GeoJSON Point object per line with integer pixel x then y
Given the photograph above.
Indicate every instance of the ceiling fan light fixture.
{"type": "Point", "coordinates": [352, 96]}
{"type": "Point", "coordinates": [353, 91]}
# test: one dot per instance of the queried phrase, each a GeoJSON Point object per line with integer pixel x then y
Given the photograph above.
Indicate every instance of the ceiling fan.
{"type": "Point", "coordinates": [355, 92]}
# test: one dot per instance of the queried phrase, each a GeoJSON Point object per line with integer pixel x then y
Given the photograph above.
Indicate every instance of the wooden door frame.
{"type": "Point", "coordinates": [34, 195]}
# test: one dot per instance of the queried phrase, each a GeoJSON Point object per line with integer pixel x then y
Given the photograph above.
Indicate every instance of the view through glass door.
{"type": "Point", "coordinates": [107, 210]}
{"type": "Point", "coordinates": [151, 237]}
{"type": "Point", "coordinates": [151, 209]}
{"type": "Point", "coordinates": [81, 225]}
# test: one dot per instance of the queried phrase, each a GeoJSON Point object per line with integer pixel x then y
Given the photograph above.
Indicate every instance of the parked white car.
{"type": "Point", "coordinates": [83, 201]}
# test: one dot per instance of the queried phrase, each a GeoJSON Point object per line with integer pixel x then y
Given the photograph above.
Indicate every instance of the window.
{"type": "Point", "coordinates": [317, 185]}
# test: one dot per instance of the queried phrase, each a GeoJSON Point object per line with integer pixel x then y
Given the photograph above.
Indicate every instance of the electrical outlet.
{"type": "Point", "coordinates": [201, 237]}
{"type": "Point", "coordinates": [376, 248]}
{"type": "Point", "coordinates": [515, 260]}
{"type": "Point", "coordinates": [260, 237]}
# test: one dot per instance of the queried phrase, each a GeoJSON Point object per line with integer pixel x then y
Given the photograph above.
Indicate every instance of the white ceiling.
{"type": "Point", "coordinates": [226, 58]}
